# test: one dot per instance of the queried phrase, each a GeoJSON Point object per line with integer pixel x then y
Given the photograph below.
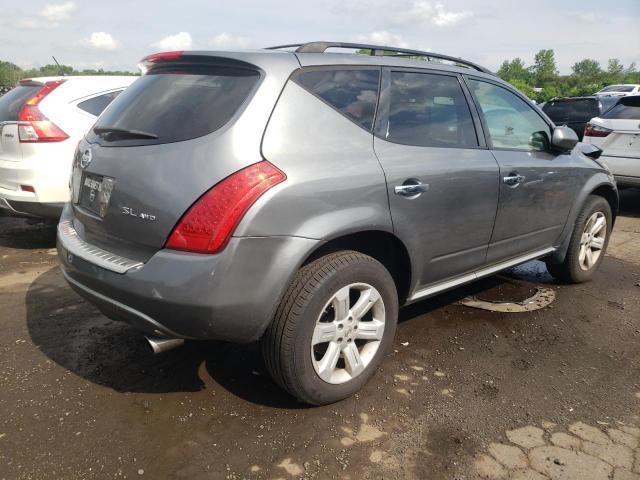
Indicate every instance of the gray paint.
{"type": "Point", "coordinates": [341, 179]}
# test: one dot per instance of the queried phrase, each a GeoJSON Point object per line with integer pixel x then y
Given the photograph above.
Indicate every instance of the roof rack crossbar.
{"type": "Point", "coordinates": [379, 50]}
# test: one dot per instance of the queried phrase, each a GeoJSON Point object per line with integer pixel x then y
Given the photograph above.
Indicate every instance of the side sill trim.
{"type": "Point", "coordinates": [470, 277]}
{"type": "Point", "coordinates": [75, 245]}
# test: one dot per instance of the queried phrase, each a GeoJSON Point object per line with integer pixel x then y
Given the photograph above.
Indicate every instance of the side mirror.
{"type": "Point", "coordinates": [564, 138]}
{"type": "Point", "coordinates": [590, 150]}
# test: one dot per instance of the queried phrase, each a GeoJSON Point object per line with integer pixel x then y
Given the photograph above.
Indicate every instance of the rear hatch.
{"type": "Point", "coordinates": [572, 112]}
{"type": "Point", "coordinates": [160, 145]}
{"type": "Point", "coordinates": [624, 120]}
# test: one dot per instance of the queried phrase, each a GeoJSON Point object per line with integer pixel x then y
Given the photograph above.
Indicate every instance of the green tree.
{"type": "Point", "coordinates": [9, 73]}
{"type": "Point", "coordinates": [587, 70]}
{"type": "Point", "coordinates": [614, 67]}
{"type": "Point", "coordinates": [544, 70]}
{"type": "Point", "coordinates": [513, 70]}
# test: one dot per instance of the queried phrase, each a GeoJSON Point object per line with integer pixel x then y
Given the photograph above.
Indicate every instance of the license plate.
{"type": "Point", "coordinates": [95, 193]}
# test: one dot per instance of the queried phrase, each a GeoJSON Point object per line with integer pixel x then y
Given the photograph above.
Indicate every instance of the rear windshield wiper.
{"type": "Point", "coordinates": [113, 133]}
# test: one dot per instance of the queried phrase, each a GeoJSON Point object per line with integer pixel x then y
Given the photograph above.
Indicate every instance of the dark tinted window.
{"type": "Point", "coordinates": [511, 121]}
{"type": "Point", "coordinates": [177, 105]}
{"type": "Point", "coordinates": [12, 101]}
{"type": "Point", "coordinates": [428, 110]}
{"type": "Point", "coordinates": [572, 110]}
{"type": "Point", "coordinates": [628, 108]}
{"type": "Point", "coordinates": [353, 93]}
{"type": "Point", "coordinates": [96, 105]}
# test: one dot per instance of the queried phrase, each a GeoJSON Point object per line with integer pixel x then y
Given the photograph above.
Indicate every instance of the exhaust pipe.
{"type": "Point", "coordinates": [159, 345]}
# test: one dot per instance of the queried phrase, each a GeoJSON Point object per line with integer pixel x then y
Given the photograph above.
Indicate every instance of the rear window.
{"type": "Point", "coordinates": [177, 104]}
{"type": "Point", "coordinates": [353, 93]}
{"type": "Point", "coordinates": [12, 101]}
{"type": "Point", "coordinates": [627, 108]}
{"type": "Point", "coordinates": [618, 88]}
{"type": "Point", "coordinates": [96, 105]}
{"type": "Point", "coordinates": [583, 109]}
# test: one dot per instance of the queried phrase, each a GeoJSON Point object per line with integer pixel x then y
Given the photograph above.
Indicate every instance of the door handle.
{"type": "Point", "coordinates": [514, 179]}
{"type": "Point", "coordinates": [411, 189]}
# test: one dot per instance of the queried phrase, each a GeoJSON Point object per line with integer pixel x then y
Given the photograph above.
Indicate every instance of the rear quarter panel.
{"type": "Point", "coordinates": [335, 184]}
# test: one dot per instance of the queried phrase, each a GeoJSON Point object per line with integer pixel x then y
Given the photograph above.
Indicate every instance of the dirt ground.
{"type": "Point", "coordinates": [465, 393]}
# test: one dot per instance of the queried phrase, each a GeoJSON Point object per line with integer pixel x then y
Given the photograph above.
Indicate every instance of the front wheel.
{"type": "Point", "coordinates": [333, 327]}
{"type": "Point", "coordinates": [588, 243]}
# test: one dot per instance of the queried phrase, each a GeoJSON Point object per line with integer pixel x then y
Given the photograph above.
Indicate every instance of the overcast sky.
{"type": "Point", "coordinates": [115, 34]}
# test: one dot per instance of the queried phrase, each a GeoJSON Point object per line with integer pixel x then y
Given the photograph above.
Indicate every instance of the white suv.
{"type": "Point", "coordinates": [41, 122]}
{"type": "Point", "coordinates": [617, 133]}
{"type": "Point", "coordinates": [620, 90]}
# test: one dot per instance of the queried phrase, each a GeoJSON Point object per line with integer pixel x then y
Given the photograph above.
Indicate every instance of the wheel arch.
{"type": "Point", "coordinates": [600, 185]}
{"type": "Point", "coordinates": [382, 245]}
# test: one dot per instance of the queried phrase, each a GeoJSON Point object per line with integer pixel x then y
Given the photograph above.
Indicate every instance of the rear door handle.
{"type": "Point", "coordinates": [411, 188]}
{"type": "Point", "coordinates": [514, 179]}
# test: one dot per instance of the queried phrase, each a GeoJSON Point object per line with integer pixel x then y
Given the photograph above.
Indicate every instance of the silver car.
{"type": "Point", "coordinates": [300, 197]}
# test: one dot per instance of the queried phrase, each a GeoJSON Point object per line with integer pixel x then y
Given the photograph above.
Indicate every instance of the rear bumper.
{"type": "Point", "coordinates": [48, 177]}
{"type": "Point", "coordinates": [31, 209]}
{"type": "Point", "coordinates": [625, 169]}
{"type": "Point", "coordinates": [625, 181]}
{"type": "Point", "coordinates": [230, 296]}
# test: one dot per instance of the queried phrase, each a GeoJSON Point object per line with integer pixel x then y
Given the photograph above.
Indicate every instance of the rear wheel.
{"type": "Point", "coordinates": [588, 242]}
{"type": "Point", "coordinates": [332, 328]}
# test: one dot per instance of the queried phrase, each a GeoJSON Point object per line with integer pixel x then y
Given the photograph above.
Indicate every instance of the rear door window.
{"type": "Point", "coordinates": [12, 101]}
{"type": "Point", "coordinates": [354, 93]}
{"type": "Point", "coordinates": [96, 105]}
{"type": "Point", "coordinates": [176, 104]}
{"type": "Point", "coordinates": [428, 110]}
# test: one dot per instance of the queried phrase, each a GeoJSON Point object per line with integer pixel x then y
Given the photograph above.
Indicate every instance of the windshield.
{"type": "Point", "coordinates": [178, 104]}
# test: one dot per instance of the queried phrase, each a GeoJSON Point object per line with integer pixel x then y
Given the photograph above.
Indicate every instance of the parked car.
{"type": "Point", "coordinates": [575, 112]}
{"type": "Point", "coordinates": [41, 122]}
{"type": "Point", "coordinates": [300, 197]}
{"type": "Point", "coordinates": [617, 133]}
{"type": "Point", "coordinates": [620, 90]}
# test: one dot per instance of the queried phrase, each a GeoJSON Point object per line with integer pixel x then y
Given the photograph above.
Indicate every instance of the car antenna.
{"type": "Point", "coordinates": [59, 67]}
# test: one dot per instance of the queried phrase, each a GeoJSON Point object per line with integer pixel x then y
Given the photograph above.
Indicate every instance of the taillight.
{"type": "Point", "coordinates": [33, 125]}
{"type": "Point", "coordinates": [210, 221]}
{"type": "Point", "coordinates": [591, 130]}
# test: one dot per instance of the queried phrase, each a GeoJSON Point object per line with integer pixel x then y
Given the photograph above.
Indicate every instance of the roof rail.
{"type": "Point", "coordinates": [378, 50]}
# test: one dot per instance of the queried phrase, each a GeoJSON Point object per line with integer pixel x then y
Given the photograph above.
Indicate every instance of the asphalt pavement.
{"type": "Point", "coordinates": [465, 393]}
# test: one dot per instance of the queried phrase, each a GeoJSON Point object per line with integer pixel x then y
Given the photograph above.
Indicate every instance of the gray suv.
{"type": "Point", "coordinates": [300, 197]}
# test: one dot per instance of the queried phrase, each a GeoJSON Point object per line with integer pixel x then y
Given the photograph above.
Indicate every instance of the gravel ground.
{"type": "Point", "coordinates": [465, 393]}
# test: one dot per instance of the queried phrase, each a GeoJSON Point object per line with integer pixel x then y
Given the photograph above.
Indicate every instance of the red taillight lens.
{"type": "Point", "coordinates": [591, 130]}
{"type": "Point", "coordinates": [33, 125]}
{"type": "Point", "coordinates": [208, 224]}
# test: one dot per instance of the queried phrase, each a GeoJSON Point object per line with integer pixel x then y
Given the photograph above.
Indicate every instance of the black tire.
{"type": "Point", "coordinates": [286, 345]}
{"type": "Point", "coordinates": [570, 271]}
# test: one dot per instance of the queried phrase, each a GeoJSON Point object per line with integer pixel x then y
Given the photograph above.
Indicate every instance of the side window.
{"type": "Point", "coordinates": [96, 105]}
{"type": "Point", "coordinates": [428, 110]}
{"type": "Point", "coordinates": [353, 93]}
{"type": "Point", "coordinates": [512, 123]}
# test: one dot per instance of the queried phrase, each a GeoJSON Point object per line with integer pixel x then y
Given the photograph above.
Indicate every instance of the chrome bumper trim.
{"type": "Point", "coordinates": [75, 245]}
